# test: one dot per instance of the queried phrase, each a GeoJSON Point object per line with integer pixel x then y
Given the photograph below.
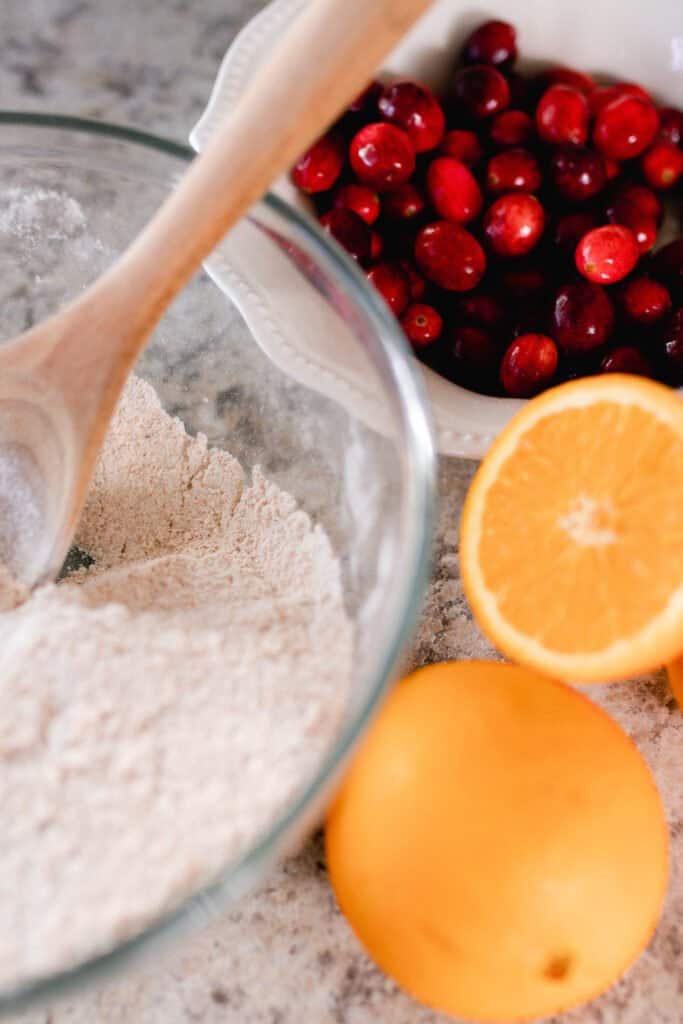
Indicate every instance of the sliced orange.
{"type": "Point", "coordinates": [674, 671]}
{"type": "Point", "coordinates": [572, 532]}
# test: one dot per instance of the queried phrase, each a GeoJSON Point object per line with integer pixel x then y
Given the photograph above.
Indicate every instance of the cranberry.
{"type": "Point", "coordinates": [350, 231]}
{"type": "Point", "coordinates": [416, 281]}
{"type": "Point", "coordinates": [514, 223]}
{"type": "Point", "coordinates": [422, 324]}
{"type": "Point", "coordinates": [636, 198]}
{"type": "Point", "coordinates": [673, 345]}
{"type": "Point", "coordinates": [569, 76]}
{"type": "Point", "coordinates": [644, 300]}
{"type": "Point", "coordinates": [462, 145]}
{"type": "Point", "coordinates": [671, 125]}
{"type": "Point", "coordinates": [320, 166]}
{"type": "Point", "coordinates": [601, 96]}
{"type": "Point", "coordinates": [523, 282]}
{"type": "Point", "coordinates": [376, 245]}
{"type": "Point", "coordinates": [404, 202]}
{"type": "Point", "coordinates": [482, 309]}
{"type": "Point", "coordinates": [633, 89]}
{"type": "Point", "coordinates": [626, 359]}
{"type": "Point", "coordinates": [662, 164]}
{"type": "Point", "coordinates": [612, 168]}
{"type": "Point", "coordinates": [382, 156]}
{"type": "Point", "coordinates": [625, 127]}
{"type": "Point", "coordinates": [529, 365]}
{"type": "Point", "coordinates": [571, 227]}
{"type": "Point", "coordinates": [511, 128]}
{"type": "Point", "coordinates": [453, 191]}
{"type": "Point", "coordinates": [475, 357]}
{"type": "Point", "coordinates": [562, 115]}
{"type": "Point", "coordinates": [415, 109]}
{"type": "Point", "coordinates": [480, 91]}
{"type": "Point", "coordinates": [607, 254]}
{"type": "Point", "coordinates": [450, 256]}
{"type": "Point", "coordinates": [578, 173]}
{"type": "Point", "coordinates": [582, 318]}
{"type": "Point", "coordinates": [391, 281]}
{"type": "Point", "coordinates": [642, 226]}
{"type": "Point", "coordinates": [667, 267]}
{"type": "Point", "coordinates": [361, 199]}
{"type": "Point", "coordinates": [513, 170]}
{"type": "Point", "coordinates": [494, 42]}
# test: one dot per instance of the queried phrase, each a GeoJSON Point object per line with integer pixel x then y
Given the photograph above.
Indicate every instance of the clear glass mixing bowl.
{"type": "Point", "coordinates": [72, 195]}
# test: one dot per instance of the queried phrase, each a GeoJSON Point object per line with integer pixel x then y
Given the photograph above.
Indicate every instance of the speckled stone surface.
{"type": "Point", "coordinates": [286, 956]}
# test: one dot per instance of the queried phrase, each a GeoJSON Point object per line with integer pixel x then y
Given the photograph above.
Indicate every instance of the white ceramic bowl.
{"type": "Point", "coordinates": [631, 40]}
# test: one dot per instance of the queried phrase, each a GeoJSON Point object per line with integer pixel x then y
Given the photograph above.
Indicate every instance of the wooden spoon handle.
{"type": "Point", "coordinates": [323, 61]}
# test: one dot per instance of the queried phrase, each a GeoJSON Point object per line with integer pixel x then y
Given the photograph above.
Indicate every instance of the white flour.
{"type": "Point", "coordinates": [158, 708]}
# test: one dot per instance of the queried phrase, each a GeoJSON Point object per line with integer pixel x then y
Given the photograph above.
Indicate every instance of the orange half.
{"type": "Point", "coordinates": [572, 532]}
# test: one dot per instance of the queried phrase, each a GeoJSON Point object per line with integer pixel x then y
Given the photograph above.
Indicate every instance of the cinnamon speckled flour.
{"type": "Point", "coordinates": [158, 707]}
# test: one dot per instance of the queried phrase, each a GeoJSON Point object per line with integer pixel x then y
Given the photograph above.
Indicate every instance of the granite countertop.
{"type": "Point", "coordinates": [286, 956]}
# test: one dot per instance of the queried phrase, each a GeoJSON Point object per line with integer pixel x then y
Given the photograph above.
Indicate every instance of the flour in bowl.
{"type": "Point", "coordinates": [159, 707]}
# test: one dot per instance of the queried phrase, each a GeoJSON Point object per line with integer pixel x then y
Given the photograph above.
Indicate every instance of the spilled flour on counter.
{"type": "Point", "coordinates": [159, 706]}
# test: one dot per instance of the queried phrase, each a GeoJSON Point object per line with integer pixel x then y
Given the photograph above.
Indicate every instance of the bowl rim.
{"type": "Point", "coordinates": [408, 588]}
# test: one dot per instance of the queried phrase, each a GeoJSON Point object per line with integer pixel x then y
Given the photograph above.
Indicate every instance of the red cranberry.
{"type": "Point", "coordinates": [453, 191]}
{"type": "Point", "coordinates": [569, 76]}
{"type": "Point", "coordinates": [636, 198]}
{"type": "Point", "coordinates": [350, 231]}
{"type": "Point", "coordinates": [320, 166]}
{"type": "Point", "coordinates": [494, 42]}
{"type": "Point", "coordinates": [361, 199]}
{"type": "Point", "coordinates": [529, 365]}
{"type": "Point", "coordinates": [513, 170]}
{"type": "Point", "coordinates": [643, 227]}
{"type": "Point", "coordinates": [514, 223]}
{"type": "Point", "coordinates": [523, 282]}
{"type": "Point", "coordinates": [422, 324]}
{"type": "Point", "coordinates": [462, 145]}
{"type": "Point", "coordinates": [415, 109]}
{"type": "Point", "coordinates": [644, 300]}
{"type": "Point", "coordinates": [626, 359]}
{"type": "Point", "coordinates": [667, 267]}
{"type": "Point", "coordinates": [475, 357]}
{"type": "Point", "coordinates": [662, 164]}
{"type": "Point", "coordinates": [392, 283]}
{"type": "Point", "coordinates": [416, 281]}
{"type": "Point", "coordinates": [482, 309]}
{"type": "Point", "coordinates": [481, 91]}
{"type": "Point", "coordinates": [633, 89]}
{"type": "Point", "coordinates": [450, 256]}
{"type": "Point", "coordinates": [671, 125]}
{"type": "Point", "coordinates": [382, 156]}
{"type": "Point", "coordinates": [376, 245]}
{"type": "Point", "coordinates": [583, 317]}
{"type": "Point", "coordinates": [673, 345]}
{"type": "Point", "coordinates": [404, 202]}
{"type": "Point", "coordinates": [578, 173]}
{"type": "Point", "coordinates": [571, 227]}
{"type": "Point", "coordinates": [625, 127]}
{"type": "Point", "coordinates": [562, 115]}
{"type": "Point", "coordinates": [612, 168]}
{"type": "Point", "coordinates": [607, 254]}
{"type": "Point", "coordinates": [601, 96]}
{"type": "Point", "coordinates": [511, 128]}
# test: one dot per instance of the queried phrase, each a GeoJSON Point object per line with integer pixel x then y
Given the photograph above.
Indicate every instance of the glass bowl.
{"type": "Point", "coordinates": [73, 194]}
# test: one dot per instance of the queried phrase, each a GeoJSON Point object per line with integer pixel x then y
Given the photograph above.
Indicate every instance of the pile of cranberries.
{"type": "Point", "coordinates": [511, 225]}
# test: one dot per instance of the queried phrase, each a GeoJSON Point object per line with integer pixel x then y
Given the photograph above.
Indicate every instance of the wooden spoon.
{"type": "Point", "coordinates": [60, 381]}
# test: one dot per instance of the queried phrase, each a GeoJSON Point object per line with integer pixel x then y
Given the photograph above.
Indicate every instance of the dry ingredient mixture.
{"type": "Point", "coordinates": [159, 706]}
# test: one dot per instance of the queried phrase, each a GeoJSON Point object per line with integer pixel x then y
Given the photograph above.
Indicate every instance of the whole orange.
{"type": "Point", "coordinates": [498, 845]}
